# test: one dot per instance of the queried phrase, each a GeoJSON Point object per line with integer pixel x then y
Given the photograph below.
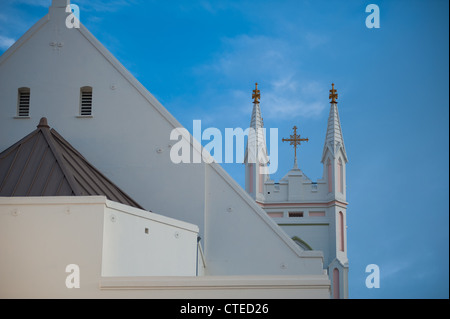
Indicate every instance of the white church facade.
{"type": "Point", "coordinates": [313, 214]}
{"type": "Point", "coordinates": [124, 213]}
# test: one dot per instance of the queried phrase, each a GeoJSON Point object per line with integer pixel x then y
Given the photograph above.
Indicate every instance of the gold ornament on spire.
{"type": "Point", "coordinates": [256, 96]}
{"type": "Point", "coordinates": [333, 94]}
{"type": "Point", "coordinates": [296, 141]}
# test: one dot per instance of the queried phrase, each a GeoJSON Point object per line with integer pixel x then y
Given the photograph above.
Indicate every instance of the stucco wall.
{"type": "Point", "coordinates": [138, 243]}
{"type": "Point", "coordinates": [40, 236]}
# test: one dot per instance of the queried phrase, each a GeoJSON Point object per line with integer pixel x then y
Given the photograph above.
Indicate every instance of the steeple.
{"type": "Point", "coordinates": [334, 140]}
{"type": "Point", "coordinates": [256, 152]}
{"type": "Point", "coordinates": [334, 156]}
{"type": "Point", "coordinates": [256, 145]}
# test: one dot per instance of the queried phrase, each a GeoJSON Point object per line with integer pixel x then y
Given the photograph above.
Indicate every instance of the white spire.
{"type": "Point", "coordinates": [334, 140]}
{"type": "Point", "coordinates": [256, 140]}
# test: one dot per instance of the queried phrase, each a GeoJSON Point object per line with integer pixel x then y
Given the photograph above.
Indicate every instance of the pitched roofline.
{"type": "Point", "coordinates": [128, 76]}
{"type": "Point", "coordinates": [24, 38]}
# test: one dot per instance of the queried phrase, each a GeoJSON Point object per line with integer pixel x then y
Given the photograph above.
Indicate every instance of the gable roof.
{"type": "Point", "coordinates": [43, 163]}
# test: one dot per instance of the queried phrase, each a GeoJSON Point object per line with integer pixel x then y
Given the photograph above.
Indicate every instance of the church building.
{"type": "Point", "coordinates": [92, 206]}
{"type": "Point", "coordinates": [313, 214]}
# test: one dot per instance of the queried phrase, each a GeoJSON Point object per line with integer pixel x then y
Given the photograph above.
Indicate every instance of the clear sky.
{"type": "Point", "coordinates": [201, 58]}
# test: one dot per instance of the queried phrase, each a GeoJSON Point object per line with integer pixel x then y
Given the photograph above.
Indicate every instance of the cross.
{"type": "Point", "coordinates": [256, 95]}
{"type": "Point", "coordinates": [295, 140]}
{"type": "Point", "coordinates": [333, 94]}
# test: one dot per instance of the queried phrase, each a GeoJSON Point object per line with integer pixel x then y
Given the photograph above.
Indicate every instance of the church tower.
{"type": "Point", "coordinates": [312, 214]}
{"type": "Point", "coordinates": [256, 158]}
{"type": "Point", "coordinates": [334, 157]}
{"type": "Point", "coordinates": [334, 160]}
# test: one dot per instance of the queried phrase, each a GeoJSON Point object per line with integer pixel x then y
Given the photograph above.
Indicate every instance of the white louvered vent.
{"type": "Point", "coordinates": [23, 103]}
{"type": "Point", "coordinates": [86, 101]}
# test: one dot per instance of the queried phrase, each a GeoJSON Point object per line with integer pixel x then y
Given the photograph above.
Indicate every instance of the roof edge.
{"type": "Point", "coordinates": [129, 77]}
{"type": "Point", "coordinates": [24, 38]}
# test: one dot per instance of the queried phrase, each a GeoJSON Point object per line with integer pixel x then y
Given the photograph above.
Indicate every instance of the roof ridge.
{"type": "Point", "coordinates": [60, 160]}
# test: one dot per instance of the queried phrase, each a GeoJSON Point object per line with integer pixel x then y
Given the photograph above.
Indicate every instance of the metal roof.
{"type": "Point", "coordinates": [43, 163]}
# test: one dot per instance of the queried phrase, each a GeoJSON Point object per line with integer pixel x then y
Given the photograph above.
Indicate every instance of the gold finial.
{"type": "Point", "coordinates": [333, 94]}
{"type": "Point", "coordinates": [295, 140]}
{"type": "Point", "coordinates": [256, 96]}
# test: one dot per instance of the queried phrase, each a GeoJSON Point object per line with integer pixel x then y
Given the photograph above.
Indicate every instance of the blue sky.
{"type": "Point", "coordinates": [201, 58]}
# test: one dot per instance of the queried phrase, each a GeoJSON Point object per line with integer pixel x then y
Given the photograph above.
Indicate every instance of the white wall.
{"type": "Point", "coordinates": [40, 236]}
{"type": "Point", "coordinates": [169, 248]}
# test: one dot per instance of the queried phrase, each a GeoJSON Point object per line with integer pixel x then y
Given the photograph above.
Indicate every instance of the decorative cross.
{"type": "Point", "coordinates": [333, 94]}
{"type": "Point", "coordinates": [256, 94]}
{"type": "Point", "coordinates": [295, 140]}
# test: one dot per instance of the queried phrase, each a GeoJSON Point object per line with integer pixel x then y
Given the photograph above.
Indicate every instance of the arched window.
{"type": "Point", "coordinates": [23, 102]}
{"type": "Point", "coordinates": [340, 177]}
{"type": "Point", "coordinates": [86, 101]}
{"type": "Point", "coordinates": [336, 287]}
{"type": "Point", "coordinates": [341, 231]}
{"type": "Point", "coordinates": [330, 176]}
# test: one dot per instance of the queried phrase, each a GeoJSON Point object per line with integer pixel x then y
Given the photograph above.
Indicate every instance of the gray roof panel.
{"type": "Point", "coordinates": [43, 163]}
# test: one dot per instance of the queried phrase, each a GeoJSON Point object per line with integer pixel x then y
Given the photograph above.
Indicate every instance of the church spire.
{"type": "Point", "coordinates": [256, 157]}
{"type": "Point", "coordinates": [256, 136]}
{"type": "Point", "coordinates": [334, 140]}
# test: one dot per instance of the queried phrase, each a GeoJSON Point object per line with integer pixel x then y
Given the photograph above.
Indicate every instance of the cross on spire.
{"type": "Point", "coordinates": [333, 94]}
{"type": "Point", "coordinates": [256, 96]}
{"type": "Point", "coordinates": [296, 141]}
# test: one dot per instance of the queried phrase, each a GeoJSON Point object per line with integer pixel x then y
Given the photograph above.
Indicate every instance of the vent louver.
{"type": "Point", "coordinates": [86, 101]}
{"type": "Point", "coordinates": [23, 105]}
